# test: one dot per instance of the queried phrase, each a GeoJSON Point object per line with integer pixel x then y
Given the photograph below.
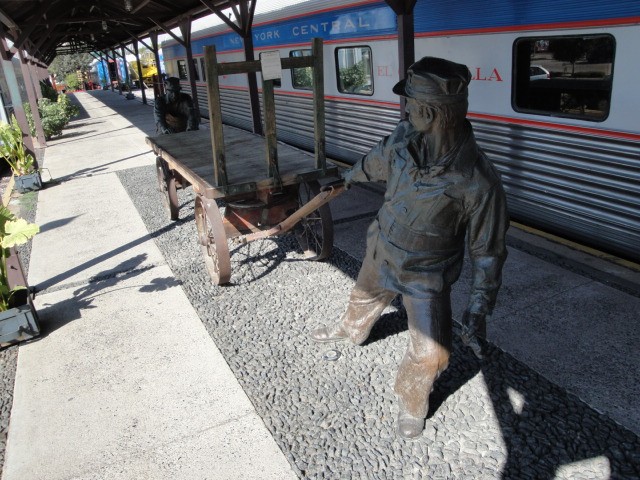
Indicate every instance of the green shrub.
{"type": "Point", "coordinates": [48, 91]}
{"type": "Point", "coordinates": [70, 109]}
{"type": "Point", "coordinates": [29, 115]}
{"type": "Point", "coordinates": [72, 81]}
{"type": "Point", "coordinates": [12, 148]}
{"type": "Point", "coordinates": [54, 115]}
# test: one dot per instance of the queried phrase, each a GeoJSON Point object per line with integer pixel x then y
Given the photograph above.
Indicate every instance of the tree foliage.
{"type": "Point", "coordinates": [63, 65]}
{"type": "Point", "coordinates": [582, 49]}
{"type": "Point", "coordinates": [72, 82]}
{"type": "Point", "coordinates": [354, 78]}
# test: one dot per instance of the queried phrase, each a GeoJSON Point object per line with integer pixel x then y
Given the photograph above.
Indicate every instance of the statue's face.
{"type": "Point", "coordinates": [420, 117]}
{"type": "Point", "coordinates": [172, 95]}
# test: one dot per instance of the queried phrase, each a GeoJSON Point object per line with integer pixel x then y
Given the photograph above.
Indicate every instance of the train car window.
{"type": "Point", "coordinates": [182, 69]}
{"type": "Point", "coordinates": [203, 69]}
{"type": "Point", "coordinates": [195, 69]}
{"type": "Point", "coordinates": [564, 76]}
{"type": "Point", "coordinates": [354, 70]}
{"type": "Point", "coordinates": [301, 78]}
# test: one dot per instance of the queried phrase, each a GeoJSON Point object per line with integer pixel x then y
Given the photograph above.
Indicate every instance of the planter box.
{"type": "Point", "coordinates": [28, 183]}
{"type": "Point", "coordinates": [17, 325]}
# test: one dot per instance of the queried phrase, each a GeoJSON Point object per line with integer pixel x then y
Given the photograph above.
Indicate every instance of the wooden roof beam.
{"type": "Point", "coordinates": [8, 21]}
{"type": "Point", "coordinates": [140, 6]}
{"type": "Point", "coordinates": [244, 15]}
{"type": "Point", "coordinates": [41, 12]}
{"type": "Point", "coordinates": [168, 31]}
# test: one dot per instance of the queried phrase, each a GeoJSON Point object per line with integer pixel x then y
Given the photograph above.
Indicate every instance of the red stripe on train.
{"type": "Point", "coordinates": [478, 116]}
{"type": "Point", "coordinates": [556, 126]}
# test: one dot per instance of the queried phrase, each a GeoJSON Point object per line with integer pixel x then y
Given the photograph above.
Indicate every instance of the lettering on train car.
{"type": "Point", "coordinates": [384, 71]}
{"type": "Point", "coordinates": [266, 36]}
{"type": "Point", "coordinates": [481, 74]}
{"type": "Point", "coordinates": [337, 26]}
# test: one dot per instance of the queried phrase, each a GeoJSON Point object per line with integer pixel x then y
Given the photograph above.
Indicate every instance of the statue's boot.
{"type": "Point", "coordinates": [409, 427]}
{"type": "Point", "coordinates": [363, 311]}
{"type": "Point", "coordinates": [333, 333]}
{"type": "Point", "coordinates": [427, 356]}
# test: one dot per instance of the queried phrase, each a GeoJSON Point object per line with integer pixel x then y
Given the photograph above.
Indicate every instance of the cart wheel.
{"type": "Point", "coordinates": [213, 240]}
{"type": "Point", "coordinates": [315, 231]}
{"type": "Point", "coordinates": [167, 186]}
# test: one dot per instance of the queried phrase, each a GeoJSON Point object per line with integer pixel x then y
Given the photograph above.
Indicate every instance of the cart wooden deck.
{"type": "Point", "coordinates": [247, 169]}
{"type": "Point", "coordinates": [268, 188]}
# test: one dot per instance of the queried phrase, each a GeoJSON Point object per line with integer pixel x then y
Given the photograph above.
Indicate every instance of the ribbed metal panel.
{"type": "Point", "coordinates": [351, 129]}
{"type": "Point", "coordinates": [236, 109]}
{"type": "Point", "coordinates": [580, 187]}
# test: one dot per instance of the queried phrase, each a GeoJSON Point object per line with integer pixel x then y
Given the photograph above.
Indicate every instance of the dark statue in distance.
{"type": "Point", "coordinates": [174, 111]}
{"type": "Point", "coordinates": [441, 189]}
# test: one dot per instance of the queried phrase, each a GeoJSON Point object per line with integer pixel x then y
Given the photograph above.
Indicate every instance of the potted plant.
{"type": "Point", "coordinates": [18, 319]}
{"type": "Point", "coordinates": [22, 163]}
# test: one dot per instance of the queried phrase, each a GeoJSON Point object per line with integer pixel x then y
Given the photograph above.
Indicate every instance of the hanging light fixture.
{"type": "Point", "coordinates": [104, 25]}
{"type": "Point", "coordinates": [128, 5]}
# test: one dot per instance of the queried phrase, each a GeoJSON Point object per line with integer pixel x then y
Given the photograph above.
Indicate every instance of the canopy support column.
{"type": "Point", "coordinates": [30, 86]}
{"type": "Point", "coordinates": [185, 30]}
{"type": "Point", "coordinates": [406, 36]}
{"type": "Point", "coordinates": [142, 86]}
{"type": "Point", "coordinates": [14, 93]}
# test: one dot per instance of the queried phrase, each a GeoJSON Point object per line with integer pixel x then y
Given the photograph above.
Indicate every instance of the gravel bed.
{"type": "Point", "coordinates": [494, 418]}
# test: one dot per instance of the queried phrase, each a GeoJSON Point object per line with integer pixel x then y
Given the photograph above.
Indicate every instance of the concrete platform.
{"type": "Point", "coordinates": [125, 381]}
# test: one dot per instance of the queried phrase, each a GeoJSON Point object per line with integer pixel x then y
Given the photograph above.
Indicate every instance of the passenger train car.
{"type": "Point", "coordinates": [554, 98]}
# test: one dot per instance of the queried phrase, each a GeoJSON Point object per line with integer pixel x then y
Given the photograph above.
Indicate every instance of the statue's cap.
{"type": "Point", "coordinates": [436, 80]}
{"type": "Point", "coordinates": [173, 84]}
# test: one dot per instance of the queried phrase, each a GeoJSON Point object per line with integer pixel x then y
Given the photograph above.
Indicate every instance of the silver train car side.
{"type": "Point", "coordinates": [553, 99]}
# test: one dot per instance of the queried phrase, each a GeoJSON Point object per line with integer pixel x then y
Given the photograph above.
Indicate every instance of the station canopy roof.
{"type": "Point", "coordinates": [46, 28]}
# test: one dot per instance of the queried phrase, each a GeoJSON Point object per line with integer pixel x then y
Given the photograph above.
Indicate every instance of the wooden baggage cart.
{"type": "Point", "coordinates": [268, 188]}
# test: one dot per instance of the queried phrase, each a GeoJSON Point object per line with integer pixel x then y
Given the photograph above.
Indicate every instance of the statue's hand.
{"type": "Point", "coordinates": [474, 326]}
{"type": "Point", "coordinates": [346, 178]}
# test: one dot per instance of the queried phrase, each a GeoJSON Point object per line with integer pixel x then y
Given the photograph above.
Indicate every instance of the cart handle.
{"type": "Point", "coordinates": [327, 193]}
{"type": "Point", "coordinates": [334, 184]}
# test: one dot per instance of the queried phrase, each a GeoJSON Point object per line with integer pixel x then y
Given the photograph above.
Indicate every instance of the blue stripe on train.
{"type": "Point", "coordinates": [363, 21]}
{"type": "Point", "coordinates": [444, 15]}
{"type": "Point", "coordinates": [377, 19]}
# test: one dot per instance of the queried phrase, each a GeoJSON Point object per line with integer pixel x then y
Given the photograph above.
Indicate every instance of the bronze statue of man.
{"type": "Point", "coordinates": [441, 189]}
{"type": "Point", "coordinates": [174, 111]}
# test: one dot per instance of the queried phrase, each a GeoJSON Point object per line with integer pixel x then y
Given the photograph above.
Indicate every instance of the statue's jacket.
{"type": "Point", "coordinates": [179, 114]}
{"type": "Point", "coordinates": [418, 238]}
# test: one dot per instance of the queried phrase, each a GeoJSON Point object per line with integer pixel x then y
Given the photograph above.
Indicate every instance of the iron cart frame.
{"type": "Point", "coordinates": [259, 202]}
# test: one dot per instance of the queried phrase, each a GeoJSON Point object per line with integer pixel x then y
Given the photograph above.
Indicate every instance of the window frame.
{"type": "Point", "coordinates": [337, 65]}
{"type": "Point", "coordinates": [196, 69]}
{"type": "Point", "coordinates": [180, 70]}
{"type": "Point", "coordinates": [293, 70]}
{"type": "Point", "coordinates": [558, 113]}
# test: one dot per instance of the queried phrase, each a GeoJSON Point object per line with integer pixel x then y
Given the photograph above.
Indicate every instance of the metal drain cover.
{"type": "Point", "coordinates": [331, 355]}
